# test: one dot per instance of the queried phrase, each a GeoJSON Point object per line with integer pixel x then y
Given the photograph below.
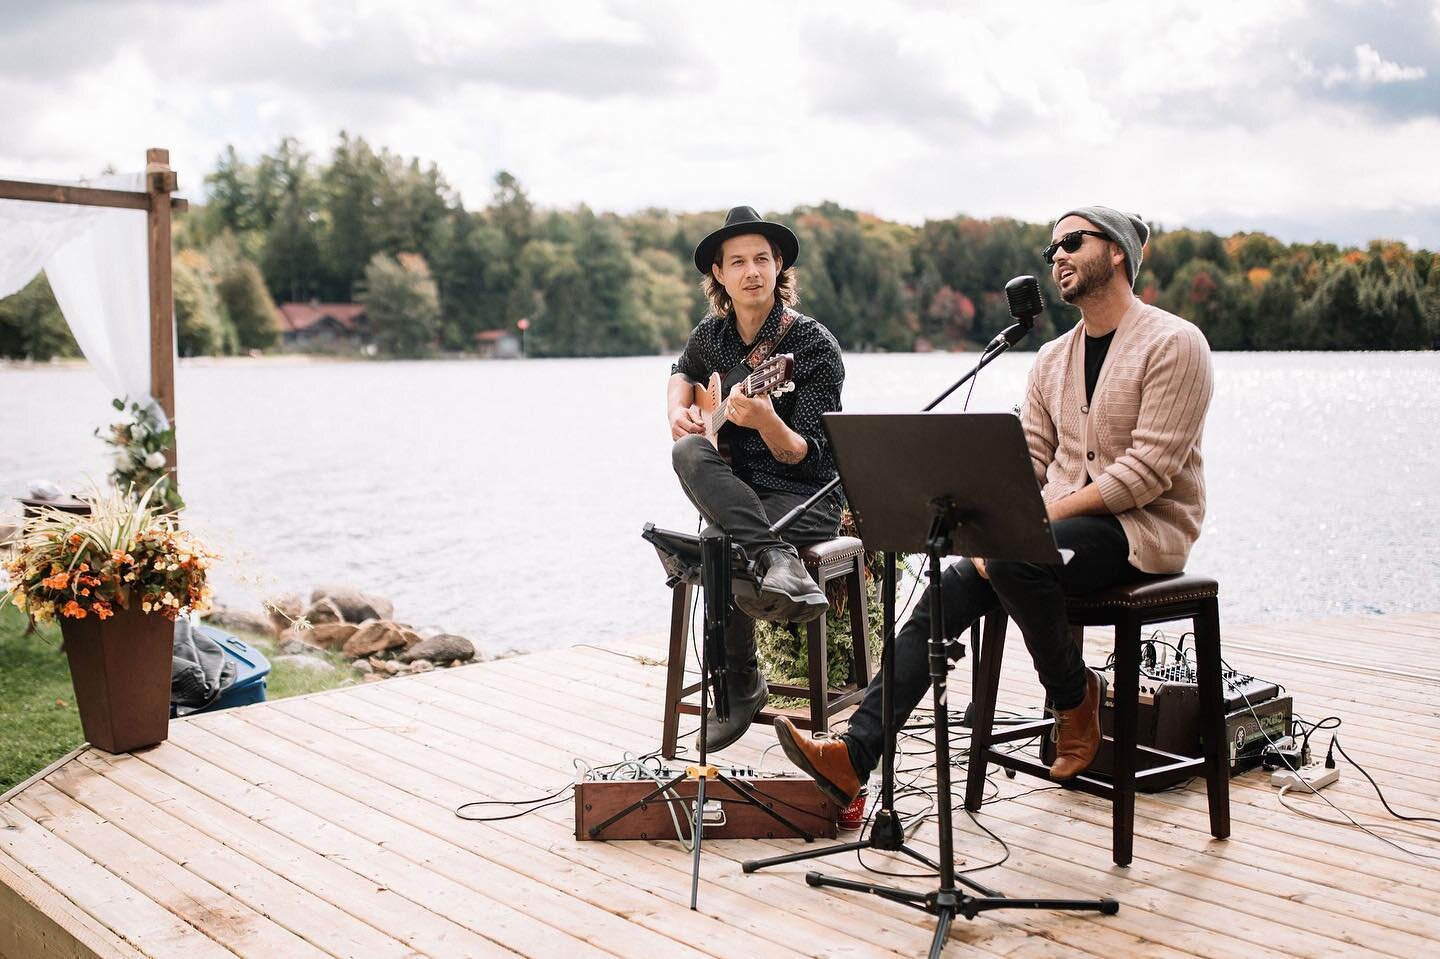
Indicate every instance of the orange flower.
{"type": "Point", "coordinates": [103, 610]}
{"type": "Point", "coordinates": [59, 581]}
{"type": "Point", "coordinates": [73, 609]}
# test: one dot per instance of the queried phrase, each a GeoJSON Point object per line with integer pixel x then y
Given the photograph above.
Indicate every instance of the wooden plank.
{"type": "Point", "coordinates": [417, 770]}
{"type": "Point", "coordinates": [1213, 939]}
{"type": "Point", "coordinates": [81, 196]}
{"type": "Point", "coordinates": [193, 900]}
{"type": "Point", "coordinates": [1102, 856]}
{"type": "Point", "coordinates": [341, 869]}
{"type": "Point", "coordinates": [111, 901]}
{"type": "Point", "coordinates": [491, 735]}
{"type": "Point", "coordinates": [573, 887]}
{"type": "Point", "coordinates": [76, 195]}
{"type": "Point", "coordinates": [277, 897]}
{"type": "Point", "coordinates": [35, 920]}
{"type": "Point", "coordinates": [491, 777]}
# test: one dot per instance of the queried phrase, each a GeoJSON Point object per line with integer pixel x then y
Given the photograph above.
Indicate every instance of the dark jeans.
{"type": "Point", "coordinates": [1032, 594]}
{"type": "Point", "coordinates": [745, 513]}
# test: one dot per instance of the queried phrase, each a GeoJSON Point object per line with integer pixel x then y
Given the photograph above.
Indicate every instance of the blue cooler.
{"type": "Point", "coordinates": [253, 670]}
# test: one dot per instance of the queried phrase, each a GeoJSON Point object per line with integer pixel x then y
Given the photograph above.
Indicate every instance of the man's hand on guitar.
{"type": "Point", "coordinates": [751, 412]}
{"type": "Point", "coordinates": [684, 421]}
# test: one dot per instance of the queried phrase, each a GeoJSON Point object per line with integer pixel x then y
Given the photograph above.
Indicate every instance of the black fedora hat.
{"type": "Point", "coordinates": [738, 222]}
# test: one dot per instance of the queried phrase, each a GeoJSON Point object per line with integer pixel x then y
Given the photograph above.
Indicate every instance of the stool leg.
{"type": "Point", "coordinates": [1212, 717]}
{"type": "Point", "coordinates": [675, 667]}
{"type": "Point", "coordinates": [1122, 753]}
{"type": "Point", "coordinates": [990, 654]}
{"type": "Point", "coordinates": [859, 624]}
{"type": "Point", "coordinates": [819, 673]}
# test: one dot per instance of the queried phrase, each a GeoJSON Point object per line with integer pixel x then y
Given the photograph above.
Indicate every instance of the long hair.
{"type": "Point", "coordinates": [787, 290]}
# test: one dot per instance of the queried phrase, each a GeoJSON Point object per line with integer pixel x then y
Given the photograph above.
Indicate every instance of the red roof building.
{"type": "Point", "coordinates": [332, 325]}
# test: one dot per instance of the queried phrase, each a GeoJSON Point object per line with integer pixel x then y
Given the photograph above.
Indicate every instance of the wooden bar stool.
{"type": "Point", "coordinates": [1128, 609]}
{"type": "Point", "coordinates": [842, 557]}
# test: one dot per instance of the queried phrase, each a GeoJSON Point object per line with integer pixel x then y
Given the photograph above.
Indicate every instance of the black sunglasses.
{"type": "Point", "coordinates": [1070, 242]}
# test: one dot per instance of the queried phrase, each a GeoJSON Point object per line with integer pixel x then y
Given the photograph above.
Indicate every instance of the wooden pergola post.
{"type": "Point", "coordinates": [159, 205]}
{"type": "Point", "coordinates": [160, 182]}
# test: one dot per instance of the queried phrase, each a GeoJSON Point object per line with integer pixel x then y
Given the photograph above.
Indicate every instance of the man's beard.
{"type": "Point", "coordinates": [1091, 275]}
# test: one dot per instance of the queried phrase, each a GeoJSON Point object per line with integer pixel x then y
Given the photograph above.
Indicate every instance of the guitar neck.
{"type": "Point", "coordinates": [722, 415]}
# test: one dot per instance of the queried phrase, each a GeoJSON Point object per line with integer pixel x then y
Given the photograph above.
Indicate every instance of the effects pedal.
{"type": "Point", "coordinates": [1311, 777]}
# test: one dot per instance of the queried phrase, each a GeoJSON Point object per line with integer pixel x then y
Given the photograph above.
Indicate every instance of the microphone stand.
{"type": "Point", "coordinates": [887, 833]}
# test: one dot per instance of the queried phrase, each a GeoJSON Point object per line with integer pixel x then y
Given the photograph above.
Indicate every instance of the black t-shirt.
{"type": "Point", "coordinates": [715, 347]}
{"type": "Point", "coordinates": [1095, 349]}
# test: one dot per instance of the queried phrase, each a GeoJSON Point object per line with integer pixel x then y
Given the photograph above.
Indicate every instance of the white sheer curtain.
{"type": "Point", "coordinates": [96, 259]}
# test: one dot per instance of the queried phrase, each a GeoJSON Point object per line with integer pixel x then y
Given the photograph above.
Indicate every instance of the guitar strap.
{"type": "Point", "coordinates": [762, 350]}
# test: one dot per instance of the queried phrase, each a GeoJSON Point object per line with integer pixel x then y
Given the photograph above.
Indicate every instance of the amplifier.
{"type": "Point", "coordinates": [727, 815]}
{"type": "Point", "coordinates": [1168, 718]}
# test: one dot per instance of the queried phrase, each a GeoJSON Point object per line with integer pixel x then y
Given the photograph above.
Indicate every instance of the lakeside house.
{"type": "Point", "coordinates": [497, 345]}
{"type": "Point", "coordinates": [327, 327]}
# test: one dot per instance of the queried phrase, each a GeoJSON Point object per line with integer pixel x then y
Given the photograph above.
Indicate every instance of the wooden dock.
{"type": "Point", "coordinates": [325, 826]}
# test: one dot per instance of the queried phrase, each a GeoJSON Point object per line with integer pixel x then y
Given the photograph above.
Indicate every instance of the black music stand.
{"type": "Point", "coordinates": [713, 561]}
{"type": "Point", "coordinates": [943, 484]}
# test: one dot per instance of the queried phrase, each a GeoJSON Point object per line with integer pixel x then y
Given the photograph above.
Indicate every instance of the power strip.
{"type": "Point", "coordinates": [1312, 775]}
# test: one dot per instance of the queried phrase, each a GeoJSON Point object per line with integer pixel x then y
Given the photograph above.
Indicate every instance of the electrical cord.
{"type": "Point", "coordinates": [1335, 744]}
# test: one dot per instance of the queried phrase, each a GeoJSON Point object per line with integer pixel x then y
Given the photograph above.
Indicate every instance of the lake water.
{"type": "Point", "coordinates": [505, 500]}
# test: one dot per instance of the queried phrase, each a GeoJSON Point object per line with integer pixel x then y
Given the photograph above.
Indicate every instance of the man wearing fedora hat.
{"type": "Point", "coordinates": [779, 454]}
{"type": "Point", "coordinates": [1113, 416]}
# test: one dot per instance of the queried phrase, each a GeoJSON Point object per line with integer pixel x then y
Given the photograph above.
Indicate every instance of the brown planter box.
{"type": "Point", "coordinates": [120, 669]}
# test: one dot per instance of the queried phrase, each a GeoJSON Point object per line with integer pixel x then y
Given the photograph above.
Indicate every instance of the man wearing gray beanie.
{"type": "Point", "coordinates": [1113, 415]}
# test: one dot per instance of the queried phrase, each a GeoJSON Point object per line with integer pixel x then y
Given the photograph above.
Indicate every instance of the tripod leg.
{"type": "Point", "coordinates": [697, 829]}
{"type": "Point", "coordinates": [942, 932]}
{"type": "Point", "coordinates": [753, 798]}
{"type": "Point", "coordinates": [655, 793]}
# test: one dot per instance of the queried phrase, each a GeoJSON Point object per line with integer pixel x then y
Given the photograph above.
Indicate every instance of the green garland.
{"type": "Point", "coordinates": [784, 653]}
{"type": "Point", "coordinates": [140, 446]}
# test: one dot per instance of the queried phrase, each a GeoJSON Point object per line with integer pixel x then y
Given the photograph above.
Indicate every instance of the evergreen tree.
{"type": "Point", "coordinates": [31, 325]}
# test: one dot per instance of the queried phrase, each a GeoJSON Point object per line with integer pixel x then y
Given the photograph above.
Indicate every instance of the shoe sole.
{"type": "Point", "coordinates": [793, 753]}
{"type": "Point", "coordinates": [726, 744]}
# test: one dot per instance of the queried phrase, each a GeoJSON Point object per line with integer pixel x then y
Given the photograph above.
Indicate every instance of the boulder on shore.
{"type": "Point", "coordinates": [284, 610]}
{"type": "Point", "coordinates": [323, 611]}
{"type": "Point", "coordinates": [440, 649]}
{"type": "Point", "coordinates": [240, 621]}
{"type": "Point", "coordinates": [354, 606]}
{"type": "Point", "coordinates": [373, 637]}
{"type": "Point", "coordinates": [328, 635]}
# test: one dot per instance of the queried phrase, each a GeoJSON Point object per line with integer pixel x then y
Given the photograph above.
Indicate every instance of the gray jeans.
{"type": "Point", "coordinates": [728, 502]}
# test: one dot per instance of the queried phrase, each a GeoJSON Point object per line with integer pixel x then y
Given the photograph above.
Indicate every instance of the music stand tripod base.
{"type": "Point", "coordinates": [968, 488]}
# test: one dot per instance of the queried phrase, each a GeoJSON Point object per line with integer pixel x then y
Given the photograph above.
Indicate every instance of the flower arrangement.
{"type": "Point", "coordinates": [126, 554]}
{"type": "Point", "coordinates": [140, 445]}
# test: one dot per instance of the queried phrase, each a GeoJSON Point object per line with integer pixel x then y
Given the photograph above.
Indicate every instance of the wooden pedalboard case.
{"type": "Point", "coordinates": [797, 798]}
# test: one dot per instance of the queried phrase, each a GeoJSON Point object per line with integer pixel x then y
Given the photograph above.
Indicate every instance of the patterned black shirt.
{"type": "Point", "coordinates": [714, 347]}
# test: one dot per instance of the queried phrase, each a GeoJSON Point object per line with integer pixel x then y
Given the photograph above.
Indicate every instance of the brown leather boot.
{"type": "Point", "coordinates": [1078, 732]}
{"type": "Point", "coordinates": [827, 761]}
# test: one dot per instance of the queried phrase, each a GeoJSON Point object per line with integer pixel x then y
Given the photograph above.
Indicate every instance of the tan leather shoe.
{"type": "Point", "coordinates": [827, 761]}
{"type": "Point", "coordinates": [1078, 732]}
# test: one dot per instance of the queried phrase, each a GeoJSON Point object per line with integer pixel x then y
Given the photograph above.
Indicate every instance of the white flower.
{"type": "Point", "coordinates": [155, 460]}
{"type": "Point", "coordinates": [122, 460]}
{"type": "Point", "coordinates": [138, 432]}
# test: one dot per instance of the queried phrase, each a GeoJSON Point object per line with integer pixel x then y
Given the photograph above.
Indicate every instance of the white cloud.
{"type": "Point", "coordinates": [1370, 68]}
{"type": "Point", "coordinates": [907, 108]}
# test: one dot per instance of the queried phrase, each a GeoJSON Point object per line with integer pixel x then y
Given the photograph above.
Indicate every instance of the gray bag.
{"type": "Point", "coordinates": [199, 672]}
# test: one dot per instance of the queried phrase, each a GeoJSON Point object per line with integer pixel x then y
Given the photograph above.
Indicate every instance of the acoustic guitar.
{"type": "Point", "coordinates": [771, 378]}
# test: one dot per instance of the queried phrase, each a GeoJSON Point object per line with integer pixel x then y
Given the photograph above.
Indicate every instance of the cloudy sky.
{"type": "Point", "coordinates": [1313, 119]}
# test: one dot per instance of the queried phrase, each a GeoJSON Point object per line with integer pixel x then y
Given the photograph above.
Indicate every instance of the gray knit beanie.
{"type": "Point", "coordinates": [1126, 229]}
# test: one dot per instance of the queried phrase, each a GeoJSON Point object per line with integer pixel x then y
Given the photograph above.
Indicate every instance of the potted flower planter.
{"type": "Point", "coordinates": [120, 668]}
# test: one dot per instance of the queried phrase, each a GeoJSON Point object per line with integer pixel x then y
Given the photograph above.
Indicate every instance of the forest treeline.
{"type": "Point", "coordinates": [378, 228]}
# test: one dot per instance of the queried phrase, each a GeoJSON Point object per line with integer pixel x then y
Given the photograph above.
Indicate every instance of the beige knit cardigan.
{"type": "Point", "coordinates": [1139, 440]}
